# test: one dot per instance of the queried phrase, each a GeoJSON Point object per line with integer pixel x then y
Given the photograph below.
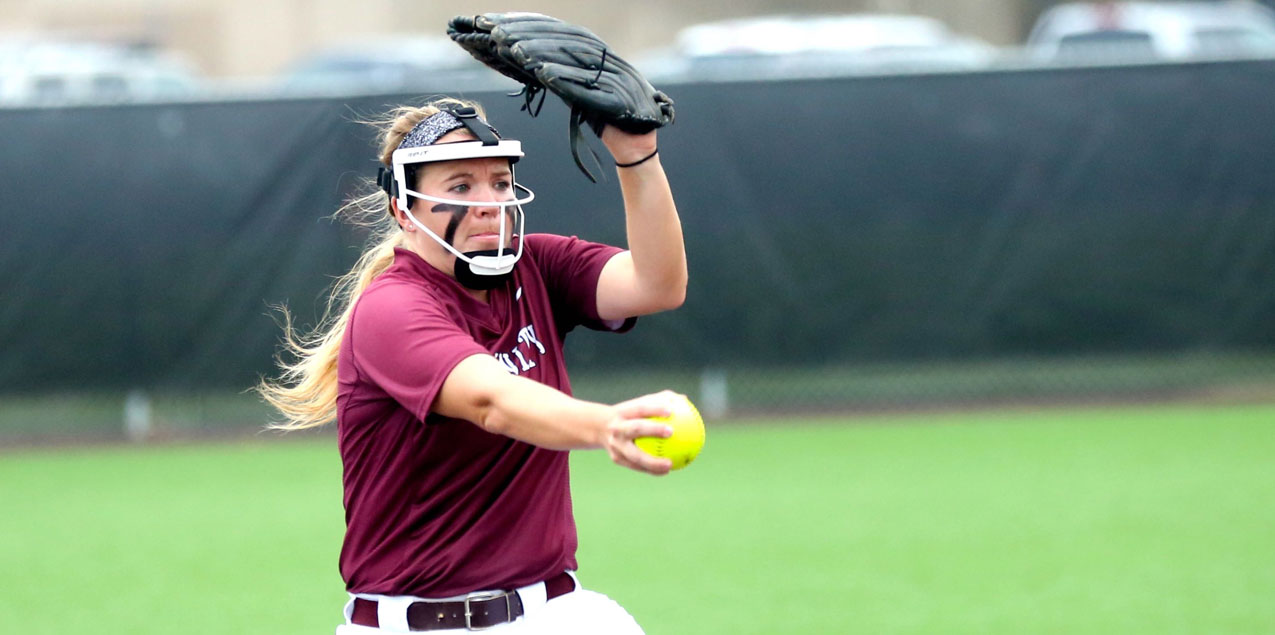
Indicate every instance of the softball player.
{"type": "Point", "coordinates": [446, 377]}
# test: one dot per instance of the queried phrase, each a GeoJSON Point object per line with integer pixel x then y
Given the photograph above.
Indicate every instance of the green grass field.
{"type": "Point", "coordinates": [1122, 520]}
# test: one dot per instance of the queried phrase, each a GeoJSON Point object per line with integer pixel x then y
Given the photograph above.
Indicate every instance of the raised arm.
{"type": "Point", "coordinates": [650, 276]}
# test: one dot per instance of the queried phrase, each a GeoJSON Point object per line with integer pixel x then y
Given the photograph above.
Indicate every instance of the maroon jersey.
{"type": "Point", "coordinates": [434, 506]}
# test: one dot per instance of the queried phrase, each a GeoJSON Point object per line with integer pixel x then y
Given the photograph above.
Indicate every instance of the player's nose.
{"type": "Point", "coordinates": [486, 195]}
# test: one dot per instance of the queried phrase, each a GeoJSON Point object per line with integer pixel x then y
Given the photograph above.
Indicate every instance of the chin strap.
{"type": "Point", "coordinates": [471, 279]}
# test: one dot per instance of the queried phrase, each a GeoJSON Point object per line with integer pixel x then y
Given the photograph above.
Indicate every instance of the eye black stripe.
{"type": "Point", "coordinates": [458, 212]}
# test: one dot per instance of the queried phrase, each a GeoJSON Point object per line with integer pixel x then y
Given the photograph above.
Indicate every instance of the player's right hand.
{"type": "Point", "coordinates": [631, 422]}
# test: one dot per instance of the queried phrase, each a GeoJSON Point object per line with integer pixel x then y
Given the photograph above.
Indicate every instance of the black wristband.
{"type": "Point", "coordinates": [639, 161]}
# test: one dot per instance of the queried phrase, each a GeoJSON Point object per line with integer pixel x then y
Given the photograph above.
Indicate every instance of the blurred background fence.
{"type": "Point", "coordinates": [1022, 231]}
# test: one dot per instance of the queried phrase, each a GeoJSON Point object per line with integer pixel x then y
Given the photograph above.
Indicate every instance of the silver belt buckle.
{"type": "Point", "coordinates": [482, 597]}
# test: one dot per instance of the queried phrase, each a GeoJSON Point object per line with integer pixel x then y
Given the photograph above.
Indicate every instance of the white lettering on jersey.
{"type": "Point", "coordinates": [526, 365]}
{"type": "Point", "coordinates": [526, 359]}
{"type": "Point", "coordinates": [528, 336]}
{"type": "Point", "coordinates": [508, 362]}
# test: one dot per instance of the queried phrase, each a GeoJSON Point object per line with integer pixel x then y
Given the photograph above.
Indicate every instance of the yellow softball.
{"type": "Point", "coordinates": [688, 434]}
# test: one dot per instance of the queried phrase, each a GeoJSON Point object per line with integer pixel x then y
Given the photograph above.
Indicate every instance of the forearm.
{"type": "Point", "coordinates": [529, 411]}
{"type": "Point", "coordinates": [654, 231]}
{"type": "Point", "coordinates": [480, 391]}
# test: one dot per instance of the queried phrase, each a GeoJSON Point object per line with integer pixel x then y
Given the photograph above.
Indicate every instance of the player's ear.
{"type": "Point", "coordinates": [402, 221]}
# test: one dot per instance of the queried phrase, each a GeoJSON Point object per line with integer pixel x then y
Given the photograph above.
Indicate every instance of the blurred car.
{"type": "Point", "coordinates": [1150, 31]}
{"type": "Point", "coordinates": [48, 72]}
{"type": "Point", "coordinates": [790, 46]}
{"type": "Point", "coordinates": [387, 65]}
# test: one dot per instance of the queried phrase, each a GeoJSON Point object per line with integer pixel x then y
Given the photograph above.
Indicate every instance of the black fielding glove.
{"type": "Point", "coordinates": [546, 54]}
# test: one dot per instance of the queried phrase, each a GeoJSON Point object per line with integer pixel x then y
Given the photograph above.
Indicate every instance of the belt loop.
{"type": "Point", "coordinates": [391, 612]}
{"type": "Point", "coordinates": [349, 610]}
{"type": "Point", "coordinates": [533, 598]}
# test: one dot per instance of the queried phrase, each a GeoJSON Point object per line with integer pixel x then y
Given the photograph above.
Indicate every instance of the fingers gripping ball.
{"type": "Point", "coordinates": [688, 434]}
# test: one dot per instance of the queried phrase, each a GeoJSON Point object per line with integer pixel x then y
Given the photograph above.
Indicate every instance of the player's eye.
{"type": "Point", "coordinates": [460, 188]}
{"type": "Point", "coordinates": [502, 186]}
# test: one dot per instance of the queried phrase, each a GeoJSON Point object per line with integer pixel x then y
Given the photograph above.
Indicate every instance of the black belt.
{"type": "Point", "coordinates": [478, 611]}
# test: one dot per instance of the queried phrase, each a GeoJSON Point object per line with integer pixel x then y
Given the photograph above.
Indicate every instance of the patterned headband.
{"type": "Point", "coordinates": [432, 128]}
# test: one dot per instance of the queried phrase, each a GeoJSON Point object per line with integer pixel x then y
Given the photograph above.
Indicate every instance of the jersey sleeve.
{"type": "Point", "coordinates": [406, 343]}
{"type": "Point", "coordinates": [571, 268]}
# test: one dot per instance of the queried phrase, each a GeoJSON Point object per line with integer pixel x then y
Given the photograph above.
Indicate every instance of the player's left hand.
{"type": "Point", "coordinates": [626, 147]}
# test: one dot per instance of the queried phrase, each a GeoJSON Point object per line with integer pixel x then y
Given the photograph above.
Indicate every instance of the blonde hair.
{"type": "Point", "coordinates": [305, 391]}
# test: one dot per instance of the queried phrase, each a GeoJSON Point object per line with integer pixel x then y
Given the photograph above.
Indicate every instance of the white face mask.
{"type": "Point", "coordinates": [476, 269]}
{"type": "Point", "coordinates": [480, 263]}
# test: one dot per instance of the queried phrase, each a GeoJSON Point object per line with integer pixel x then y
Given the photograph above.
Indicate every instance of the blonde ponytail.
{"type": "Point", "coordinates": [305, 391]}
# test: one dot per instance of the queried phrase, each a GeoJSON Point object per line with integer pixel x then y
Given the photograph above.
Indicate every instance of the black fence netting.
{"type": "Point", "coordinates": [853, 241]}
